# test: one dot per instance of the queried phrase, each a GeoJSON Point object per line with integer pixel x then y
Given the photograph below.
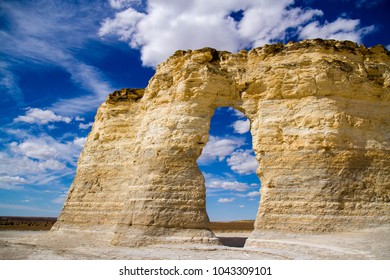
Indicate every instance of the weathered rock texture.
{"type": "Point", "coordinates": [320, 122]}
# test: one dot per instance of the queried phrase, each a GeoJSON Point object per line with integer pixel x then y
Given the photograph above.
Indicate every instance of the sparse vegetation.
{"type": "Point", "coordinates": [45, 223]}
{"type": "Point", "coordinates": [26, 223]}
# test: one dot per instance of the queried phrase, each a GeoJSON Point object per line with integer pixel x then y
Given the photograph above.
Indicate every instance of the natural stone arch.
{"type": "Point", "coordinates": [319, 113]}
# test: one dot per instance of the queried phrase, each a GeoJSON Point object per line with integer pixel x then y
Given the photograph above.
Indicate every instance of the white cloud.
{"type": "Point", "coordinates": [243, 162]}
{"type": "Point", "coordinates": [11, 182]}
{"type": "Point", "coordinates": [39, 116]}
{"type": "Point", "coordinates": [80, 141]}
{"type": "Point", "coordinates": [46, 148]}
{"type": "Point", "coordinates": [9, 83]}
{"type": "Point", "coordinates": [225, 200]}
{"type": "Point", "coordinates": [34, 149]}
{"type": "Point", "coordinates": [85, 125]}
{"type": "Point", "coordinates": [34, 38]}
{"type": "Point", "coordinates": [79, 119]}
{"type": "Point", "coordinates": [388, 47]}
{"type": "Point", "coordinates": [92, 80]}
{"type": "Point", "coordinates": [167, 26]}
{"type": "Point", "coordinates": [119, 4]}
{"type": "Point", "coordinates": [18, 165]}
{"type": "Point", "coordinates": [241, 126]}
{"type": "Point", "coordinates": [269, 21]}
{"type": "Point", "coordinates": [124, 25]}
{"type": "Point", "coordinates": [38, 160]}
{"type": "Point", "coordinates": [219, 148]}
{"type": "Point", "coordinates": [12, 179]}
{"type": "Point", "coordinates": [236, 112]}
{"type": "Point", "coordinates": [242, 206]}
{"type": "Point", "coordinates": [252, 194]}
{"type": "Point", "coordinates": [224, 183]}
{"type": "Point", "coordinates": [228, 185]}
{"type": "Point", "coordinates": [341, 29]}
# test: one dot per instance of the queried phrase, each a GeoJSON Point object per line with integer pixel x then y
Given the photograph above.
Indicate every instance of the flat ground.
{"type": "Point", "coordinates": [361, 244]}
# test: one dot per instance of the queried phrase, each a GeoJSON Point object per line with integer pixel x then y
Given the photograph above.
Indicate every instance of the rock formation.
{"type": "Point", "coordinates": [320, 123]}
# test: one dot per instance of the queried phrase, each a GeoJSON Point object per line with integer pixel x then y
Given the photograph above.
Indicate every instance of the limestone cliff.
{"type": "Point", "coordinates": [320, 122]}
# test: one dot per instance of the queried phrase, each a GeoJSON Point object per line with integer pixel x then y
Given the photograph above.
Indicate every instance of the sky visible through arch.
{"type": "Point", "coordinates": [229, 166]}
{"type": "Point", "coordinates": [60, 59]}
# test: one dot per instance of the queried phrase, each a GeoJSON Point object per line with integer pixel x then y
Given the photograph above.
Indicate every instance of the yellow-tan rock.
{"type": "Point", "coordinates": [320, 123]}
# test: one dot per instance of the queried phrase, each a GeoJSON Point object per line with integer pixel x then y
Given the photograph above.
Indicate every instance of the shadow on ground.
{"type": "Point", "coordinates": [233, 241]}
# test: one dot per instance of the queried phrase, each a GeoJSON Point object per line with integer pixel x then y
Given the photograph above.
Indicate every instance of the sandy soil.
{"type": "Point", "coordinates": [362, 244]}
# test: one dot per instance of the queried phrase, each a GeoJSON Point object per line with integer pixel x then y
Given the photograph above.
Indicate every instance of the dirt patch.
{"type": "Point", "coordinates": [244, 225]}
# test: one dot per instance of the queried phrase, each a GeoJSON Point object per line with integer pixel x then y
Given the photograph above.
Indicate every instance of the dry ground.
{"type": "Point", "coordinates": [362, 244]}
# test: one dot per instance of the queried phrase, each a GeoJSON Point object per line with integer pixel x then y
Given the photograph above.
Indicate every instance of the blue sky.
{"type": "Point", "coordinates": [60, 59]}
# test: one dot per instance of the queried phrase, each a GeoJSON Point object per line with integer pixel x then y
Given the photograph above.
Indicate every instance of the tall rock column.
{"type": "Point", "coordinates": [321, 135]}
{"type": "Point", "coordinates": [166, 202]}
{"type": "Point", "coordinates": [104, 168]}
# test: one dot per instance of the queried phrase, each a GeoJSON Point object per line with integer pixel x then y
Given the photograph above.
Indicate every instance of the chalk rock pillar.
{"type": "Point", "coordinates": [319, 113]}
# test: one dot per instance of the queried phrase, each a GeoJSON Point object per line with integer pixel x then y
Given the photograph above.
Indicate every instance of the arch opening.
{"type": "Point", "coordinates": [228, 165]}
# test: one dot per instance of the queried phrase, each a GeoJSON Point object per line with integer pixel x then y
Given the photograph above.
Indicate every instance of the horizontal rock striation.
{"type": "Point", "coordinates": [320, 123]}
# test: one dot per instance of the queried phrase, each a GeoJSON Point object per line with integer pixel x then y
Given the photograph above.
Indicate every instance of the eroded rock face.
{"type": "Point", "coordinates": [320, 123]}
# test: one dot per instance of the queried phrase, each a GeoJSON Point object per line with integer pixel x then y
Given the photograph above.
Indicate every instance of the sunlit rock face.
{"type": "Point", "coordinates": [320, 123]}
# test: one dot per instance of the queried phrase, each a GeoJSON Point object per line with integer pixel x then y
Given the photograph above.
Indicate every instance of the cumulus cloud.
{"type": "Point", "coordinates": [225, 200]}
{"type": "Point", "coordinates": [236, 112]}
{"type": "Point", "coordinates": [79, 119]}
{"type": "Point", "coordinates": [241, 126]}
{"type": "Point", "coordinates": [219, 148]}
{"type": "Point", "coordinates": [166, 26]}
{"type": "Point", "coordinates": [243, 162]}
{"type": "Point", "coordinates": [224, 183]}
{"type": "Point", "coordinates": [85, 125]}
{"type": "Point", "coordinates": [13, 179]}
{"type": "Point", "coordinates": [38, 160]}
{"type": "Point", "coordinates": [11, 182]}
{"type": "Point", "coordinates": [46, 148]}
{"type": "Point", "coordinates": [252, 194]}
{"type": "Point", "coordinates": [39, 116]}
{"type": "Point", "coordinates": [341, 29]}
{"type": "Point", "coordinates": [124, 25]}
{"type": "Point", "coordinates": [80, 141]}
{"type": "Point", "coordinates": [228, 185]}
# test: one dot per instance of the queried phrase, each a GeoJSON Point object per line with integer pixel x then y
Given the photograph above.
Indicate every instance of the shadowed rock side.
{"type": "Point", "coordinates": [319, 113]}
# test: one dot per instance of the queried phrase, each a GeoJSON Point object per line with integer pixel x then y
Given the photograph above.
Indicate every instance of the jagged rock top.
{"type": "Point", "coordinates": [306, 45]}
{"type": "Point", "coordinates": [126, 94]}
